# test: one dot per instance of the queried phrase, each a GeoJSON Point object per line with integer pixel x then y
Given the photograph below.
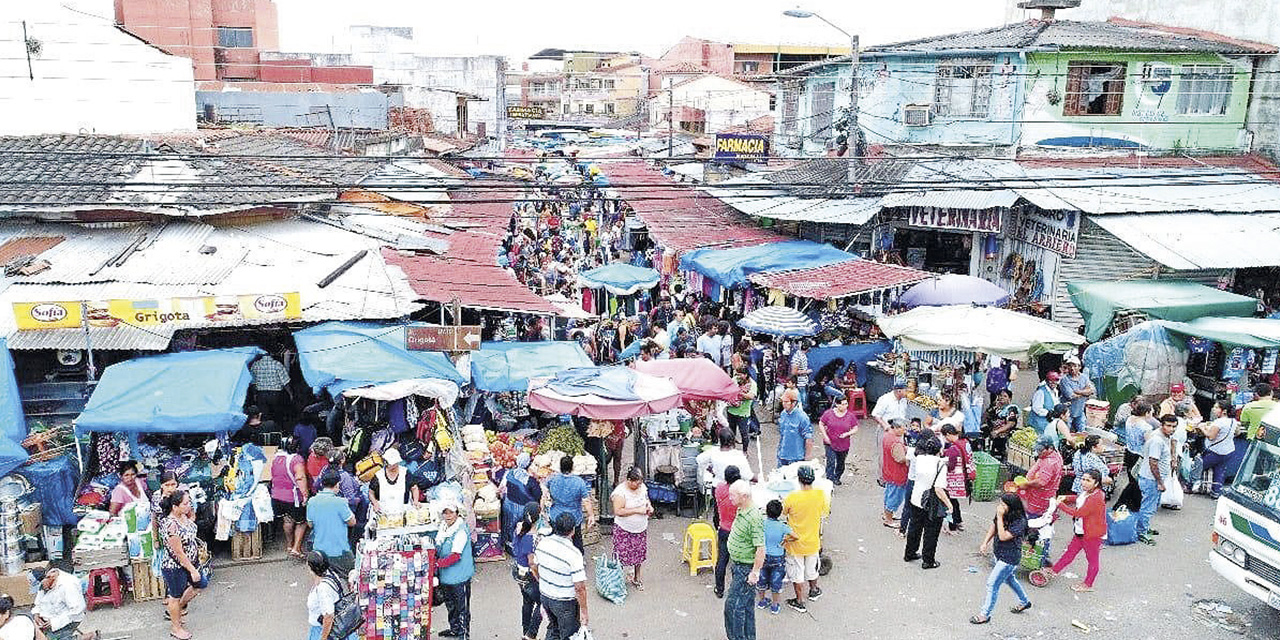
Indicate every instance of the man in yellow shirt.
{"type": "Point", "coordinates": [804, 510]}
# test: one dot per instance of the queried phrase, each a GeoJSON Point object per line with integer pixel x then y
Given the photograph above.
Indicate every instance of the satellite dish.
{"type": "Point", "coordinates": [70, 357]}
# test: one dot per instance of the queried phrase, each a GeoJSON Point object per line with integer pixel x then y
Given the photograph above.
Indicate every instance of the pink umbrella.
{"type": "Point", "coordinates": [646, 395]}
{"type": "Point", "coordinates": [697, 378]}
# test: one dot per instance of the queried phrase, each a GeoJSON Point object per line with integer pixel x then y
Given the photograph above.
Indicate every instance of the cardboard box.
{"type": "Point", "coordinates": [19, 587]}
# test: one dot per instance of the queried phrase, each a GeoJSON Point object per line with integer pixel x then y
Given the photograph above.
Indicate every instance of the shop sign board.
{"type": "Point", "coordinates": [524, 112]}
{"type": "Point", "coordinates": [981, 220]}
{"type": "Point", "coordinates": [1056, 231]}
{"type": "Point", "coordinates": [742, 147]}
{"type": "Point", "coordinates": [442, 338]}
{"type": "Point", "coordinates": [163, 311]}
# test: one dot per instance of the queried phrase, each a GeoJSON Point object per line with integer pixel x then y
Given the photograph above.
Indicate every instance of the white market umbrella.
{"type": "Point", "coordinates": [778, 321]}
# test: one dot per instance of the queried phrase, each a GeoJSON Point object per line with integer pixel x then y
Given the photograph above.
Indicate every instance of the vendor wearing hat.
{"type": "Point", "coordinates": [518, 488]}
{"type": "Point", "coordinates": [1179, 402]}
{"type": "Point", "coordinates": [390, 491]}
{"type": "Point", "coordinates": [60, 607]}
{"type": "Point", "coordinates": [1075, 389]}
{"type": "Point", "coordinates": [455, 568]}
{"type": "Point", "coordinates": [1043, 400]}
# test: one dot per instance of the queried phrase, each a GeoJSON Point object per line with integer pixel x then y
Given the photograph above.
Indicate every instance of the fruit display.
{"type": "Point", "coordinates": [1024, 437]}
{"type": "Point", "coordinates": [925, 402]}
{"type": "Point", "coordinates": [563, 439]}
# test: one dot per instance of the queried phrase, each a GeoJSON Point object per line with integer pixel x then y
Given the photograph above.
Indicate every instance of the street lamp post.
{"type": "Point", "coordinates": [859, 145]}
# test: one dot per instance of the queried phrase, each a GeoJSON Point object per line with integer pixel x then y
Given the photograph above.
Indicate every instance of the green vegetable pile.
{"type": "Point", "coordinates": [1025, 437]}
{"type": "Point", "coordinates": [562, 439]}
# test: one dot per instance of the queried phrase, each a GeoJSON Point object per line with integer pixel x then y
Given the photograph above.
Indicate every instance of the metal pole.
{"type": "Point", "coordinates": [88, 344]}
{"type": "Point", "coordinates": [859, 144]}
{"type": "Point", "coordinates": [671, 117]}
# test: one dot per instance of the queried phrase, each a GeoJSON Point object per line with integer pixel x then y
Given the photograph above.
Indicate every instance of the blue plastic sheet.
{"type": "Point", "coordinates": [12, 421]}
{"type": "Point", "coordinates": [613, 383]}
{"type": "Point", "coordinates": [54, 482]}
{"type": "Point", "coordinates": [189, 392]}
{"type": "Point", "coordinates": [857, 354]}
{"type": "Point", "coordinates": [730, 267]}
{"type": "Point", "coordinates": [619, 278]}
{"type": "Point", "coordinates": [1145, 357]}
{"type": "Point", "coordinates": [344, 355]}
{"type": "Point", "coordinates": [508, 366]}
{"type": "Point", "coordinates": [12, 455]}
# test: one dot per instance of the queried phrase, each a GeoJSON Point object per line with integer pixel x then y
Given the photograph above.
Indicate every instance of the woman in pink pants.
{"type": "Point", "coordinates": [1089, 513]}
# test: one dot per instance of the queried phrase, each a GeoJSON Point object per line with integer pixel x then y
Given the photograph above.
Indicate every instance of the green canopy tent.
{"type": "Point", "coordinates": [1177, 300]}
{"type": "Point", "coordinates": [1253, 333]}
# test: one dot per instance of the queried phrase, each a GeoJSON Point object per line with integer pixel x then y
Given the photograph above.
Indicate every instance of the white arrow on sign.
{"type": "Point", "coordinates": [471, 339]}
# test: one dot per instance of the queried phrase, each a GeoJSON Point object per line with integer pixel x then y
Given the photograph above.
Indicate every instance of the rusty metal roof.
{"type": "Point", "coordinates": [840, 280]}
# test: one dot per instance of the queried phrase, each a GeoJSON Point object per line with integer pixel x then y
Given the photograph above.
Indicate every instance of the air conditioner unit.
{"type": "Point", "coordinates": [917, 115]}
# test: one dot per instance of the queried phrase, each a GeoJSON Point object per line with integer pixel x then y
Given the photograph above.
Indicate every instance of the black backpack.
{"type": "Point", "coordinates": [348, 616]}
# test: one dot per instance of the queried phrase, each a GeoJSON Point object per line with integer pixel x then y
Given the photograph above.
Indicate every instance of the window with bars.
{"type": "Point", "coordinates": [822, 108]}
{"type": "Point", "coordinates": [1204, 89]}
{"type": "Point", "coordinates": [1094, 89]}
{"type": "Point", "coordinates": [963, 90]}
{"type": "Point", "coordinates": [790, 106]}
{"type": "Point", "coordinates": [235, 37]}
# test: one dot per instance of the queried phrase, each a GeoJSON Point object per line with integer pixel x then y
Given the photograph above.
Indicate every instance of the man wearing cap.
{"type": "Point", "coordinates": [1075, 389]}
{"type": "Point", "coordinates": [1043, 400]}
{"type": "Point", "coordinates": [330, 516]}
{"type": "Point", "coordinates": [1179, 403]}
{"type": "Point", "coordinates": [60, 607]}
{"type": "Point", "coordinates": [804, 510]}
{"type": "Point", "coordinates": [455, 567]}
{"type": "Point", "coordinates": [390, 491]}
{"type": "Point", "coordinates": [795, 440]}
{"type": "Point", "coordinates": [1043, 480]}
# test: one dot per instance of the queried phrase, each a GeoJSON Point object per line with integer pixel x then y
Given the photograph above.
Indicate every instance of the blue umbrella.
{"type": "Point", "coordinates": [778, 321]}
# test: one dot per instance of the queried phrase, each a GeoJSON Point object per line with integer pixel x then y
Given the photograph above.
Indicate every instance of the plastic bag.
{"type": "Point", "coordinates": [583, 633]}
{"type": "Point", "coordinates": [610, 581]}
{"type": "Point", "coordinates": [1172, 496]}
{"type": "Point", "coordinates": [1122, 527]}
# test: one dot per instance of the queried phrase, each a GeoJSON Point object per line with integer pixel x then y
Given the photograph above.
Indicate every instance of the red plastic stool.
{"type": "Point", "coordinates": [858, 403]}
{"type": "Point", "coordinates": [110, 578]}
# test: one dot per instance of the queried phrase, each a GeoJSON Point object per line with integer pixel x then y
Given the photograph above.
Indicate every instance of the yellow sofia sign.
{"type": "Point", "coordinates": [149, 313]}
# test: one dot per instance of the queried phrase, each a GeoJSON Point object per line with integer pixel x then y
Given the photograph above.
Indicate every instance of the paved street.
{"type": "Point", "coordinates": [1142, 592]}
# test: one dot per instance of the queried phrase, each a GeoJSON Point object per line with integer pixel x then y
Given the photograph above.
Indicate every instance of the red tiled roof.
{"type": "Point", "coordinates": [683, 219]}
{"type": "Point", "coordinates": [469, 271]}
{"type": "Point", "coordinates": [840, 280]}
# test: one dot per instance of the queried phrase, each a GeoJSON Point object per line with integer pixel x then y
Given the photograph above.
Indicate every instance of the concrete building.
{"type": "Point", "coordinates": [709, 103]}
{"type": "Point", "coordinates": [77, 73]}
{"type": "Point", "coordinates": [587, 86]}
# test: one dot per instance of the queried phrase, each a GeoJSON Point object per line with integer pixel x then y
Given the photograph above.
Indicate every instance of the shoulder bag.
{"type": "Point", "coordinates": [347, 614]}
{"type": "Point", "coordinates": [932, 504]}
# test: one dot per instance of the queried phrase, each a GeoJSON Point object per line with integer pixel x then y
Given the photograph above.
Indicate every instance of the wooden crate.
{"type": "Point", "coordinates": [247, 546]}
{"type": "Point", "coordinates": [146, 585]}
{"type": "Point", "coordinates": [1019, 456]}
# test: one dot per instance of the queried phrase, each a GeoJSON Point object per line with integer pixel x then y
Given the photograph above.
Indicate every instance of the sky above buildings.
{"type": "Point", "coordinates": [517, 29]}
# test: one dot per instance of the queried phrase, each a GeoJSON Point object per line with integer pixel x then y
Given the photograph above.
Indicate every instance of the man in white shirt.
{"type": "Point", "coordinates": [60, 605]}
{"type": "Point", "coordinates": [562, 579]}
{"type": "Point", "coordinates": [890, 406]}
{"type": "Point", "coordinates": [713, 462]}
{"type": "Point", "coordinates": [709, 344]}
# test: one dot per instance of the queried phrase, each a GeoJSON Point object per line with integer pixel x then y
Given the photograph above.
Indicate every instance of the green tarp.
{"type": "Point", "coordinates": [1254, 333]}
{"type": "Point", "coordinates": [1177, 300]}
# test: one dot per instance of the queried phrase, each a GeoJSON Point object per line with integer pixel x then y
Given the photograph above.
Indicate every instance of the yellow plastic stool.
{"type": "Point", "coordinates": [694, 536]}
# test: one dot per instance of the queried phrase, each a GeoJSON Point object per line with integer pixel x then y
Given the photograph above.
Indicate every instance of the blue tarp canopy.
{"type": "Point", "coordinates": [730, 267]}
{"type": "Point", "coordinates": [619, 278]}
{"type": "Point", "coordinates": [857, 354]}
{"type": "Point", "coordinates": [337, 356]}
{"type": "Point", "coordinates": [13, 423]}
{"type": "Point", "coordinates": [508, 366]}
{"type": "Point", "coordinates": [189, 392]}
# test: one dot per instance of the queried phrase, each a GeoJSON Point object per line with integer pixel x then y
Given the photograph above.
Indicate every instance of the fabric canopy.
{"type": "Point", "coordinates": [1179, 300]}
{"type": "Point", "coordinates": [444, 391]}
{"type": "Point", "coordinates": [990, 330]}
{"type": "Point", "coordinates": [856, 354]}
{"type": "Point", "coordinates": [508, 366]}
{"type": "Point", "coordinates": [1255, 333]}
{"type": "Point", "coordinates": [604, 393]}
{"type": "Point", "coordinates": [189, 392]}
{"type": "Point", "coordinates": [619, 278]}
{"type": "Point", "coordinates": [778, 321]}
{"type": "Point", "coordinates": [343, 355]}
{"type": "Point", "coordinates": [1145, 357]}
{"type": "Point", "coordinates": [730, 267]}
{"type": "Point", "coordinates": [953, 288]}
{"type": "Point", "coordinates": [13, 422]}
{"type": "Point", "coordinates": [697, 378]}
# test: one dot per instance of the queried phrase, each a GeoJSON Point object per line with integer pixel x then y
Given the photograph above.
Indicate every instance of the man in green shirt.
{"type": "Point", "coordinates": [746, 551]}
{"type": "Point", "coordinates": [1252, 413]}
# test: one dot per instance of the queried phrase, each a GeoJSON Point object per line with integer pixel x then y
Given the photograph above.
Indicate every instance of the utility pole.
{"type": "Point", "coordinates": [858, 143]}
{"type": "Point", "coordinates": [671, 117]}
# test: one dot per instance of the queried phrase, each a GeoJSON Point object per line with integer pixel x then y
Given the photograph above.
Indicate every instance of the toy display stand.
{"type": "Point", "coordinates": [394, 577]}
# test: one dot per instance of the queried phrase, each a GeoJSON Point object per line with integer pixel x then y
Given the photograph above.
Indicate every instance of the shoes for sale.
{"type": "Point", "coordinates": [796, 605]}
{"type": "Point", "coordinates": [815, 593]}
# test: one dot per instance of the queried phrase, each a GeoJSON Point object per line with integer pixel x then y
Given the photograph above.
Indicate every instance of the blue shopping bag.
{"type": "Point", "coordinates": [1122, 527]}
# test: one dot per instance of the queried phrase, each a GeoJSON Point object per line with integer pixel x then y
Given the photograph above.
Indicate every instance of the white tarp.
{"type": "Point", "coordinates": [997, 332]}
{"type": "Point", "coordinates": [444, 391]}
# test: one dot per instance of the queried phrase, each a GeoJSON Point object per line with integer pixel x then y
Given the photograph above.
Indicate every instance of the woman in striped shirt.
{"type": "Point", "coordinates": [1089, 456]}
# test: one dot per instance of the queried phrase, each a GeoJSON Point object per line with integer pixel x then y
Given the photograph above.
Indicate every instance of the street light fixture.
{"type": "Point", "coordinates": [858, 143]}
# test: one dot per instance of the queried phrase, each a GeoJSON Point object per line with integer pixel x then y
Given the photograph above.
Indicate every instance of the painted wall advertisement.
{"type": "Point", "coordinates": [524, 112]}
{"type": "Point", "coordinates": [742, 147]}
{"type": "Point", "coordinates": [1056, 231]}
{"type": "Point", "coordinates": [984, 220]}
{"type": "Point", "coordinates": [203, 310]}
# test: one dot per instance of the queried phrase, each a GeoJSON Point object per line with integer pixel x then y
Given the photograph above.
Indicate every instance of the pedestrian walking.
{"type": "Point", "coordinates": [331, 517]}
{"type": "Point", "coordinates": [184, 557]}
{"type": "Point", "coordinates": [1074, 389]}
{"type": "Point", "coordinates": [747, 552]}
{"type": "Point", "coordinates": [804, 509]}
{"type": "Point", "coordinates": [774, 568]}
{"type": "Point", "coordinates": [323, 598]}
{"type": "Point", "coordinates": [1155, 467]}
{"type": "Point", "coordinates": [1219, 433]}
{"type": "Point", "coordinates": [522, 553]}
{"type": "Point", "coordinates": [959, 462]}
{"type": "Point", "coordinates": [631, 511]}
{"type": "Point", "coordinates": [1043, 480]}
{"type": "Point", "coordinates": [725, 513]}
{"type": "Point", "coordinates": [795, 439]}
{"type": "Point", "coordinates": [894, 470]}
{"type": "Point", "coordinates": [562, 579]}
{"type": "Point", "coordinates": [1004, 536]}
{"type": "Point", "coordinates": [1088, 510]}
{"type": "Point", "coordinates": [926, 523]}
{"type": "Point", "coordinates": [837, 426]}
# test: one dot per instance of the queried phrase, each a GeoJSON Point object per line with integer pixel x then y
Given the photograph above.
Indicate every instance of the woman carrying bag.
{"type": "Point", "coordinates": [930, 499]}
{"type": "Point", "coordinates": [522, 546]}
{"type": "Point", "coordinates": [1089, 512]}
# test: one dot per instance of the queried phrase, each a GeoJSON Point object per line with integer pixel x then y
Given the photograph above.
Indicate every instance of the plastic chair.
{"type": "Point", "coordinates": [858, 403]}
{"type": "Point", "coordinates": [696, 534]}
{"type": "Point", "coordinates": [110, 578]}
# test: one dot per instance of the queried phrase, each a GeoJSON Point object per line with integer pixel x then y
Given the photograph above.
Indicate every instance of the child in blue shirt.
{"type": "Point", "coordinates": [774, 569]}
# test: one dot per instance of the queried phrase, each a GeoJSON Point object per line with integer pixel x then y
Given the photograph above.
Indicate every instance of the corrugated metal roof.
{"type": "Point", "coordinates": [121, 338]}
{"type": "Point", "coordinates": [1075, 35]}
{"type": "Point", "coordinates": [1200, 240]}
{"type": "Point", "coordinates": [1113, 190]}
{"type": "Point", "coordinates": [840, 280]}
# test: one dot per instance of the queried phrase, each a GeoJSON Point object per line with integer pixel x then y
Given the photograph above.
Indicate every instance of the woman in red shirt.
{"type": "Point", "coordinates": [1089, 511]}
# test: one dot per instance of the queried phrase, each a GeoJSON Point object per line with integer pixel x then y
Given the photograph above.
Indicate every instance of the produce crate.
{"type": "Point", "coordinates": [247, 545]}
{"type": "Point", "coordinates": [987, 483]}
{"type": "Point", "coordinates": [1018, 455]}
{"type": "Point", "coordinates": [146, 585]}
